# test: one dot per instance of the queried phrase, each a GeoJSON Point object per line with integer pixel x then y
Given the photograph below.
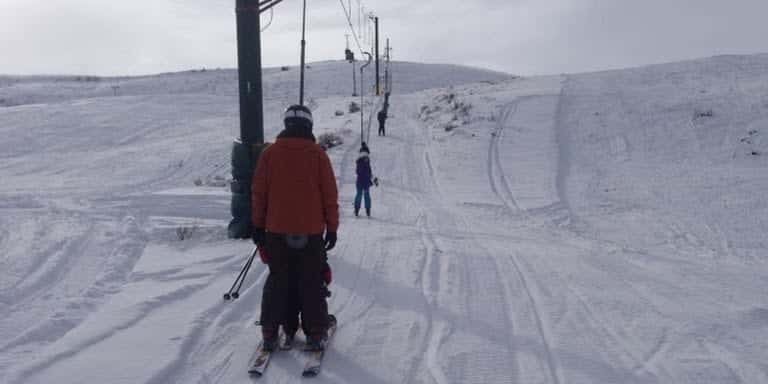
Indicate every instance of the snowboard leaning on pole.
{"type": "Point", "coordinates": [315, 358]}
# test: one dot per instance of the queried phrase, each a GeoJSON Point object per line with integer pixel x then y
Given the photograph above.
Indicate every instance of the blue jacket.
{"type": "Point", "coordinates": [364, 174]}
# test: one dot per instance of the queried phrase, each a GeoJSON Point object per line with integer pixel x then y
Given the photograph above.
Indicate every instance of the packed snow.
{"type": "Point", "coordinates": [594, 228]}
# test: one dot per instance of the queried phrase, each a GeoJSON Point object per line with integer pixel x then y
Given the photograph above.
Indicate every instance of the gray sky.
{"type": "Point", "coordinates": [518, 36]}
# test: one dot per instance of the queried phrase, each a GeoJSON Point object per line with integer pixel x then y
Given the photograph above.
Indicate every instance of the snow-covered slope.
{"type": "Point", "coordinates": [678, 151]}
{"type": "Point", "coordinates": [595, 228]}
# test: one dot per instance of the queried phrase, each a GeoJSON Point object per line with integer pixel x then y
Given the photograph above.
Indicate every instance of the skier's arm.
{"type": "Point", "coordinates": [370, 172]}
{"type": "Point", "coordinates": [259, 193]}
{"type": "Point", "coordinates": [329, 193]}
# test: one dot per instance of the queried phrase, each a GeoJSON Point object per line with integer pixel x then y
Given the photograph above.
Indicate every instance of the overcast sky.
{"type": "Point", "coordinates": [526, 37]}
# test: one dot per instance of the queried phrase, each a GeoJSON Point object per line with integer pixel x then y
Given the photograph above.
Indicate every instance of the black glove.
{"type": "Point", "coordinates": [258, 236]}
{"type": "Point", "coordinates": [376, 181]}
{"type": "Point", "coordinates": [330, 240]}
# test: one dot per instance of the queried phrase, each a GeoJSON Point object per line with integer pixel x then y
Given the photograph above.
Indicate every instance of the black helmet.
{"type": "Point", "coordinates": [298, 116]}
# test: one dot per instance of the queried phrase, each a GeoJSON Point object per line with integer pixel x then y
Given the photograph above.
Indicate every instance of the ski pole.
{"type": "Point", "coordinates": [241, 276]}
{"type": "Point", "coordinates": [236, 294]}
{"type": "Point", "coordinates": [227, 295]}
{"type": "Point", "coordinates": [243, 273]}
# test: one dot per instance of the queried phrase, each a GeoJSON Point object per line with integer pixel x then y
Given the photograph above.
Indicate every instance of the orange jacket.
{"type": "Point", "coordinates": [294, 189]}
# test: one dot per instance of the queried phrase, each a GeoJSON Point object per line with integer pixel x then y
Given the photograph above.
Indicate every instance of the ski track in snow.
{"type": "Point", "coordinates": [473, 294]}
{"type": "Point", "coordinates": [508, 199]}
{"type": "Point", "coordinates": [500, 186]}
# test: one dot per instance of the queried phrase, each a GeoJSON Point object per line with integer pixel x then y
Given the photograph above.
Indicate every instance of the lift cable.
{"type": "Point", "coordinates": [348, 16]}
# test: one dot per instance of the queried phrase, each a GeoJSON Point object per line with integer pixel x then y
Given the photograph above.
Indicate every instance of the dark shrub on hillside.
{"type": "Point", "coordinates": [703, 113]}
{"type": "Point", "coordinates": [329, 140]}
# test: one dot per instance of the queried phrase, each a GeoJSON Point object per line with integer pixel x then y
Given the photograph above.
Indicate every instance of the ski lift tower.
{"type": "Point", "coordinates": [248, 146]}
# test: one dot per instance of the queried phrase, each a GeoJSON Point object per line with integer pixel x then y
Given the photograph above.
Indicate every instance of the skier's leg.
{"type": "Point", "coordinates": [292, 306]}
{"type": "Point", "coordinates": [314, 308]}
{"type": "Point", "coordinates": [327, 275]}
{"type": "Point", "coordinates": [358, 198]}
{"type": "Point", "coordinates": [268, 321]}
{"type": "Point", "coordinates": [367, 195]}
{"type": "Point", "coordinates": [273, 293]}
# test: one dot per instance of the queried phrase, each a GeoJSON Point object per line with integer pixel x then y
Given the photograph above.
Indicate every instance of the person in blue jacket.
{"type": "Point", "coordinates": [364, 180]}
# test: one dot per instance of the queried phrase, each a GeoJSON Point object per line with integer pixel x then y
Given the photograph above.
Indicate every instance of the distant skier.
{"type": "Point", "coordinates": [382, 116]}
{"type": "Point", "coordinates": [294, 201]}
{"type": "Point", "coordinates": [364, 180]}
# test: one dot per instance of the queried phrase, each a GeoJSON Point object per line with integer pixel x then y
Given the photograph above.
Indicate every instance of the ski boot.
{"type": "Point", "coordinates": [287, 344]}
{"type": "Point", "coordinates": [317, 341]}
{"type": "Point", "coordinates": [270, 339]}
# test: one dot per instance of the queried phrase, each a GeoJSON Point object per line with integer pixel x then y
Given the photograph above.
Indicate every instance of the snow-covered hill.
{"type": "Point", "coordinates": [323, 79]}
{"type": "Point", "coordinates": [594, 228]}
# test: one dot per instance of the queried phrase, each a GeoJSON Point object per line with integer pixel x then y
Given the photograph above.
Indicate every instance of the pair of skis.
{"type": "Point", "coordinates": [312, 366]}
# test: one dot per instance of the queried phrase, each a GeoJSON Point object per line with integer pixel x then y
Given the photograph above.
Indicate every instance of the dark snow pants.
{"type": "Point", "coordinates": [381, 128]}
{"type": "Point", "coordinates": [295, 281]}
{"type": "Point", "coordinates": [293, 305]}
